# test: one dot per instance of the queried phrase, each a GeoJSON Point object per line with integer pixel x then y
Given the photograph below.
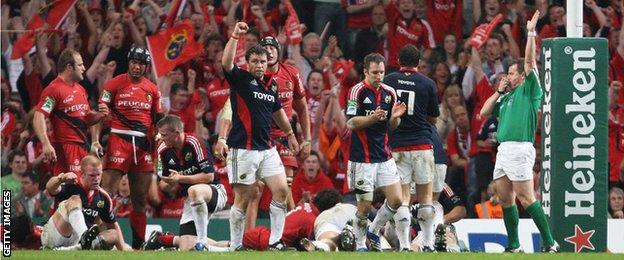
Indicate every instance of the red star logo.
{"type": "Point", "coordinates": [581, 239]}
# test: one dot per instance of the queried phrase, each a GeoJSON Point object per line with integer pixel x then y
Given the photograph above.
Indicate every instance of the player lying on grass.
{"type": "Point", "coordinates": [297, 227]}
{"type": "Point", "coordinates": [79, 202]}
{"type": "Point", "coordinates": [333, 230]}
{"type": "Point", "coordinates": [299, 224]}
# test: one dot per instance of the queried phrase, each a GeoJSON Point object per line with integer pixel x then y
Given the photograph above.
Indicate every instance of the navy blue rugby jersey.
{"type": "Point", "coordinates": [192, 159]}
{"type": "Point", "coordinates": [418, 92]}
{"type": "Point", "coordinates": [95, 204]}
{"type": "Point", "coordinates": [253, 103]}
{"type": "Point", "coordinates": [370, 144]}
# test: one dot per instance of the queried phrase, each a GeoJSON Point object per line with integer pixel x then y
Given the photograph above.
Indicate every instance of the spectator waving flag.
{"type": "Point", "coordinates": [172, 47]}
{"type": "Point", "coordinates": [482, 33]}
{"type": "Point", "coordinates": [292, 27]}
{"type": "Point", "coordinates": [51, 14]}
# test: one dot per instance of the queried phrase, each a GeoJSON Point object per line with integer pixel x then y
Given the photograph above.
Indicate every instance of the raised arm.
{"type": "Point", "coordinates": [157, 10]}
{"type": "Point", "coordinates": [128, 20]}
{"type": "Point", "coordinates": [620, 48]}
{"type": "Point", "coordinates": [354, 9]}
{"type": "Point", "coordinates": [264, 27]}
{"type": "Point", "coordinates": [600, 16]}
{"type": "Point", "coordinates": [100, 58]}
{"type": "Point", "coordinates": [529, 54]}
{"type": "Point", "coordinates": [4, 24]}
{"type": "Point", "coordinates": [44, 65]}
{"type": "Point", "coordinates": [229, 53]}
{"type": "Point", "coordinates": [514, 49]}
{"type": "Point", "coordinates": [476, 10]}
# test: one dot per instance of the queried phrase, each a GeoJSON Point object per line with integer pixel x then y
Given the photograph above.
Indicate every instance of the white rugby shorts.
{"type": "Point", "coordinates": [247, 166]}
{"type": "Point", "coordinates": [515, 160]}
{"type": "Point", "coordinates": [416, 166]}
{"type": "Point", "coordinates": [365, 177]}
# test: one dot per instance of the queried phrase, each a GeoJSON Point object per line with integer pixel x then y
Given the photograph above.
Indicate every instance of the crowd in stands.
{"type": "Point", "coordinates": [337, 34]}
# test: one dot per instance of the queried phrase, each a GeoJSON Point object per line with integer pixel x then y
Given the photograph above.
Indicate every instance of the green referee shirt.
{"type": "Point", "coordinates": [517, 111]}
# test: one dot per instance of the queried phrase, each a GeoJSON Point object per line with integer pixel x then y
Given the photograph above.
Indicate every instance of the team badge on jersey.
{"type": "Point", "coordinates": [106, 96]}
{"type": "Point", "coordinates": [351, 107]}
{"type": "Point", "coordinates": [149, 98]}
{"type": "Point", "coordinates": [48, 105]}
{"type": "Point", "coordinates": [274, 88]}
{"type": "Point", "coordinates": [388, 99]}
{"type": "Point", "coordinates": [188, 156]}
{"type": "Point", "coordinates": [100, 204]}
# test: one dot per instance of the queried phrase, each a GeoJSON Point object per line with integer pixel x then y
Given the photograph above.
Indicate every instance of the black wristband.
{"type": "Point", "coordinates": [500, 92]}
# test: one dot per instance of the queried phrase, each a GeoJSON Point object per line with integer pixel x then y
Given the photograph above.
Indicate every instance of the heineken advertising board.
{"type": "Point", "coordinates": [574, 141]}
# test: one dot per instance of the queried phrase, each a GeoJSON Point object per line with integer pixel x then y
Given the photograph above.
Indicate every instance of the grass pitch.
{"type": "Point", "coordinates": [169, 255]}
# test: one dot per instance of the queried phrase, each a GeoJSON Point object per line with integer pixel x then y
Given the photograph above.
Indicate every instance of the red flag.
{"type": "Point", "coordinates": [52, 14]}
{"type": "Point", "coordinates": [482, 33]}
{"type": "Point", "coordinates": [293, 30]}
{"type": "Point", "coordinates": [172, 47]}
{"type": "Point", "coordinates": [175, 11]}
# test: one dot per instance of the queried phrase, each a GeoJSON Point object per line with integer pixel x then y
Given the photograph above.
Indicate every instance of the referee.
{"type": "Point", "coordinates": [515, 103]}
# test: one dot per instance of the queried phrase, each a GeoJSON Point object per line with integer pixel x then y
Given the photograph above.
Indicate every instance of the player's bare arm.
{"type": "Point", "coordinates": [230, 48]}
{"type": "Point", "coordinates": [225, 123]}
{"type": "Point", "coordinates": [301, 107]}
{"type": "Point", "coordinates": [120, 245]}
{"type": "Point", "coordinates": [176, 177]}
{"type": "Point", "coordinates": [490, 103]}
{"type": "Point", "coordinates": [53, 186]}
{"type": "Point", "coordinates": [39, 126]}
{"type": "Point", "coordinates": [529, 59]}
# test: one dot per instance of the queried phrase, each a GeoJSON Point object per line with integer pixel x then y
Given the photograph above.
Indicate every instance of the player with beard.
{"type": "Point", "coordinates": [65, 101]}
{"type": "Point", "coordinates": [291, 95]}
{"type": "Point", "coordinates": [256, 105]}
{"type": "Point", "coordinates": [135, 105]}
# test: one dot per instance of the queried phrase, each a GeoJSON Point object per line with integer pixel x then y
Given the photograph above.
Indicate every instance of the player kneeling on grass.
{"type": "Point", "coordinates": [183, 160]}
{"type": "Point", "coordinates": [78, 203]}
